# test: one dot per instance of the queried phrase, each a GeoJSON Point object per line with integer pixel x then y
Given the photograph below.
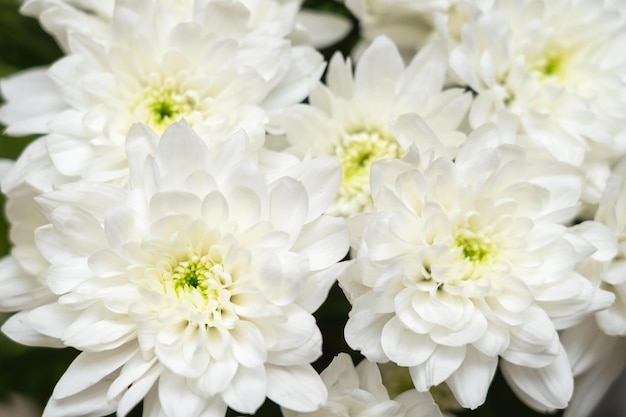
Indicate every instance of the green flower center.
{"type": "Point", "coordinates": [552, 63]}
{"type": "Point", "coordinates": [474, 248]}
{"type": "Point", "coordinates": [163, 105]}
{"type": "Point", "coordinates": [357, 149]}
{"type": "Point", "coordinates": [201, 275]}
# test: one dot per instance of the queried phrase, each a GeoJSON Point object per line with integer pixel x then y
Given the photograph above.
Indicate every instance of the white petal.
{"type": "Point", "coordinates": [380, 61]}
{"type": "Point", "coordinates": [180, 153]}
{"type": "Point", "coordinates": [177, 399]}
{"type": "Point", "coordinates": [92, 402]}
{"type": "Point", "coordinates": [299, 340]}
{"type": "Point", "coordinates": [543, 389]}
{"type": "Point", "coordinates": [79, 229]}
{"type": "Point", "coordinates": [20, 290]}
{"type": "Point", "coordinates": [51, 319]}
{"type": "Point", "coordinates": [405, 347]}
{"type": "Point", "coordinates": [590, 387]}
{"type": "Point", "coordinates": [135, 368]}
{"type": "Point", "coordinates": [324, 241]}
{"type": "Point", "coordinates": [441, 364]}
{"type": "Point", "coordinates": [586, 345]}
{"type": "Point", "coordinates": [338, 78]}
{"type": "Point", "coordinates": [89, 368]}
{"type": "Point", "coordinates": [246, 391]}
{"type": "Point", "coordinates": [32, 100]}
{"type": "Point", "coordinates": [248, 347]}
{"type": "Point", "coordinates": [318, 285]}
{"type": "Point", "coordinates": [363, 332]}
{"type": "Point", "coordinates": [304, 72]}
{"type": "Point", "coordinates": [323, 28]}
{"type": "Point", "coordinates": [137, 391]}
{"type": "Point", "coordinates": [64, 276]}
{"type": "Point", "coordinates": [289, 205]}
{"type": "Point", "coordinates": [217, 376]}
{"type": "Point", "coordinates": [495, 340]}
{"type": "Point", "coordinates": [141, 142]}
{"type": "Point", "coordinates": [174, 202]}
{"type": "Point", "coordinates": [19, 330]}
{"type": "Point", "coordinates": [599, 236]}
{"type": "Point", "coordinates": [471, 381]}
{"type": "Point", "coordinates": [70, 155]}
{"type": "Point", "coordinates": [297, 388]}
{"type": "Point", "coordinates": [321, 178]}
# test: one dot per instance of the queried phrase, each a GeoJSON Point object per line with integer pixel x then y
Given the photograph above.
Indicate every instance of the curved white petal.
{"type": "Point", "coordinates": [544, 389]}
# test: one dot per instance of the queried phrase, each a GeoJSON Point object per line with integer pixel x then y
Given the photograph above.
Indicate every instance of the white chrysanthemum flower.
{"type": "Point", "coordinates": [350, 116]}
{"type": "Point", "coordinates": [22, 271]}
{"type": "Point", "coordinates": [596, 360]}
{"type": "Point", "coordinates": [359, 392]}
{"type": "Point", "coordinates": [91, 17]}
{"type": "Point", "coordinates": [155, 69]}
{"type": "Point", "coordinates": [194, 288]}
{"type": "Point", "coordinates": [409, 23]}
{"type": "Point", "coordinates": [612, 213]}
{"type": "Point", "coordinates": [465, 264]}
{"type": "Point", "coordinates": [556, 66]}
{"type": "Point", "coordinates": [596, 348]}
{"type": "Point", "coordinates": [268, 17]}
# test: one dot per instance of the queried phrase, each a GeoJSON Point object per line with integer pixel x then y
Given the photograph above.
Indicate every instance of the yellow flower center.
{"type": "Point", "coordinates": [201, 274]}
{"type": "Point", "coordinates": [357, 149]}
{"type": "Point", "coordinates": [476, 250]}
{"type": "Point", "coordinates": [202, 282]}
{"type": "Point", "coordinates": [166, 106]}
{"type": "Point", "coordinates": [551, 63]}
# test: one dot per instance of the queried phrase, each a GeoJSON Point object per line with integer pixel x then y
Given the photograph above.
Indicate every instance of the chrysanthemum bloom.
{"type": "Point", "coordinates": [272, 17]}
{"type": "Point", "coordinates": [194, 288]}
{"type": "Point", "coordinates": [410, 24]}
{"type": "Point", "coordinates": [350, 116]}
{"type": "Point", "coordinates": [359, 392]}
{"type": "Point", "coordinates": [155, 69]}
{"type": "Point", "coordinates": [22, 271]}
{"type": "Point", "coordinates": [597, 347]}
{"type": "Point", "coordinates": [464, 263]}
{"type": "Point", "coordinates": [556, 66]}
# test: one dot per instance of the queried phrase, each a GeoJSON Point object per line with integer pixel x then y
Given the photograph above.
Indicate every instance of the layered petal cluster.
{"type": "Point", "coordinates": [22, 271]}
{"type": "Point", "coordinates": [612, 213]}
{"type": "Point", "coordinates": [269, 17]}
{"type": "Point", "coordinates": [597, 347]}
{"type": "Point", "coordinates": [555, 66]}
{"type": "Point", "coordinates": [597, 360]}
{"type": "Point", "coordinates": [408, 23]}
{"type": "Point", "coordinates": [153, 66]}
{"type": "Point", "coordinates": [191, 289]}
{"type": "Point", "coordinates": [411, 24]}
{"type": "Point", "coordinates": [351, 115]}
{"type": "Point", "coordinates": [465, 264]}
{"type": "Point", "coordinates": [359, 392]}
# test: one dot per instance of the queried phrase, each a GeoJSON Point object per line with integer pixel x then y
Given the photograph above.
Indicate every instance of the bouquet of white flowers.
{"type": "Point", "coordinates": [208, 207]}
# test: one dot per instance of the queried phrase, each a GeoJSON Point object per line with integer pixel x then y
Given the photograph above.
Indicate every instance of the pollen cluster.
{"type": "Point", "coordinates": [164, 105]}
{"type": "Point", "coordinates": [357, 150]}
{"type": "Point", "coordinates": [203, 282]}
